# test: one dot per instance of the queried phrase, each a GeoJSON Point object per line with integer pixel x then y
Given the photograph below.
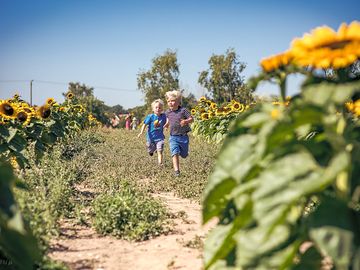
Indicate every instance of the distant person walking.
{"type": "Point", "coordinates": [134, 123]}
{"type": "Point", "coordinates": [115, 121]}
{"type": "Point", "coordinates": [179, 119]}
{"type": "Point", "coordinates": [155, 135]}
{"type": "Point", "coordinates": [128, 121]}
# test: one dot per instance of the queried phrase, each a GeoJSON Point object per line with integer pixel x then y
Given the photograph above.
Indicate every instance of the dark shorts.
{"type": "Point", "coordinates": [155, 146]}
{"type": "Point", "coordinates": [179, 145]}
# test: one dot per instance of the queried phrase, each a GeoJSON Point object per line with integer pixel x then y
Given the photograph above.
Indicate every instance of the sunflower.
{"type": "Point", "coordinates": [325, 48]}
{"type": "Point", "coordinates": [219, 112]}
{"type": "Point", "coordinates": [23, 117]}
{"type": "Point", "coordinates": [44, 111]}
{"type": "Point", "coordinates": [29, 110]}
{"type": "Point", "coordinates": [69, 95]}
{"type": "Point", "coordinates": [205, 116]}
{"type": "Point", "coordinates": [213, 106]}
{"type": "Point", "coordinates": [238, 107]}
{"type": "Point", "coordinates": [7, 110]}
{"type": "Point", "coordinates": [228, 110]}
{"type": "Point", "coordinates": [50, 101]}
{"type": "Point", "coordinates": [277, 61]}
{"type": "Point", "coordinates": [354, 107]}
{"type": "Point", "coordinates": [193, 111]}
{"type": "Point", "coordinates": [202, 99]}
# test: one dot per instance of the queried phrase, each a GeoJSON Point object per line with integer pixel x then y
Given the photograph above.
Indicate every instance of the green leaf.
{"type": "Point", "coordinates": [220, 242]}
{"type": "Point", "coordinates": [256, 119]}
{"type": "Point", "coordinates": [310, 260]}
{"type": "Point", "coordinates": [39, 149]}
{"type": "Point", "coordinates": [48, 138]}
{"type": "Point", "coordinates": [215, 196]}
{"type": "Point", "coordinates": [217, 244]}
{"type": "Point", "coordinates": [324, 93]}
{"type": "Point", "coordinates": [12, 133]}
{"type": "Point", "coordinates": [228, 173]}
{"type": "Point", "coordinates": [334, 236]}
{"type": "Point", "coordinates": [255, 243]}
{"type": "Point", "coordinates": [4, 132]}
{"type": "Point", "coordinates": [17, 142]}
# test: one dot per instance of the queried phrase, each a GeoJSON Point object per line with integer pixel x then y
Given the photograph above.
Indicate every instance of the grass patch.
{"type": "Point", "coordinates": [129, 214]}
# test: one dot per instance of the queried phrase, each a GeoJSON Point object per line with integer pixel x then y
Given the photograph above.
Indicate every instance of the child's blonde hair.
{"type": "Point", "coordinates": [175, 94]}
{"type": "Point", "coordinates": [157, 101]}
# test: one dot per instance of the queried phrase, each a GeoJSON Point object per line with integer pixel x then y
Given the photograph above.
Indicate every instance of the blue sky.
{"type": "Point", "coordinates": [105, 44]}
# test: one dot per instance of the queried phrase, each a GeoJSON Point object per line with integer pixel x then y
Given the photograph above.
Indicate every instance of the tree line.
{"type": "Point", "coordinates": [223, 81]}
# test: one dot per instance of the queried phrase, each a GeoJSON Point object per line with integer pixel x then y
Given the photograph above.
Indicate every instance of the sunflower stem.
{"type": "Point", "coordinates": [282, 85]}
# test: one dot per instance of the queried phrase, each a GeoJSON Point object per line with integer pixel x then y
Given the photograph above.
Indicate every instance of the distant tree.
{"type": "Point", "coordinates": [223, 79]}
{"type": "Point", "coordinates": [85, 96]}
{"type": "Point", "coordinates": [162, 77]}
{"type": "Point", "coordinates": [189, 101]}
{"type": "Point", "coordinates": [80, 90]}
{"type": "Point", "coordinates": [140, 111]}
{"type": "Point", "coordinates": [117, 109]}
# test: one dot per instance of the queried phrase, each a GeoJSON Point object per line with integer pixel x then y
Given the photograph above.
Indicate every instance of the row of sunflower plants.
{"type": "Point", "coordinates": [211, 122]}
{"type": "Point", "coordinates": [286, 184]}
{"type": "Point", "coordinates": [24, 127]}
{"type": "Point", "coordinates": [27, 132]}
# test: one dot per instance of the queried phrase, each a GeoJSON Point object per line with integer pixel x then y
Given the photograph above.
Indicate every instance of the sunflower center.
{"type": "Point", "coordinates": [46, 113]}
{"type": "Point", "coordinates": [22, 116]}
{"type": "Point", "coordinates": [336, 45]}
{"type": "Point", "coordinates": [8, 110]}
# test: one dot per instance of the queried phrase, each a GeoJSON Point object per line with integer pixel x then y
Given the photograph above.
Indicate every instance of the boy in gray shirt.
{"type": "Point", "coordinates": [179, 119]}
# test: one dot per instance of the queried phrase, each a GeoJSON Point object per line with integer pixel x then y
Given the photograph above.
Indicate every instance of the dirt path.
{"type": "Point", "coordinates": [81, 247]}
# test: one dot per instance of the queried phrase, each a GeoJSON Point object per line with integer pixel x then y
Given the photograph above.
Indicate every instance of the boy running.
{"type": "Point", "coordinates": [179, 119]}
{"type": "Point", "coordinates": [155, 134]}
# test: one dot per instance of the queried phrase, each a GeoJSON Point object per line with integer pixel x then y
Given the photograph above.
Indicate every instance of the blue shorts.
{"type": "Point", "coordinates": [179, 145]}
{"type": "Point", "coordinates": [155, 146]}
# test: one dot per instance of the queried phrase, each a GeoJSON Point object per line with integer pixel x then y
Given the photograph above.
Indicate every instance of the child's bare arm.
{"type": "Point", "coordinates": [187, 121]}
{"type": "Point", "coordinates": [142, 130]}
{"type": "Point", "coordinates": [166, 125]}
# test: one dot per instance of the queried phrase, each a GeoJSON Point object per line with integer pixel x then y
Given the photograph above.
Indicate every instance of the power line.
{"type": "Point", "coordinates": [65, 83]}
{"type": "Point", "coordinates": [95, 87]}
{"type": "Point", "coordinates": [12, 81]}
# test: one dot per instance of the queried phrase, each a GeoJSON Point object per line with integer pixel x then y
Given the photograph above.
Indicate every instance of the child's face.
{"type": "Point", "coordinates": [158, 108]}
{"type": "Point", "coordinates": [173, 103]}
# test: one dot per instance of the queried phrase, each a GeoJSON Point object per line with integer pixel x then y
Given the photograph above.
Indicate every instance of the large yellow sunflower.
{"type": "Point", "coordinates": [7, 110]}
{"type": "Point", "coordinates": [325, 48]}
{"type": "Point", "coordinates": [23, 117]}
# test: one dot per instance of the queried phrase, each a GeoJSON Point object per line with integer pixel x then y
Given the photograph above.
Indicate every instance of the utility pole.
{"type": "Point", "coordinates": [31, 92]}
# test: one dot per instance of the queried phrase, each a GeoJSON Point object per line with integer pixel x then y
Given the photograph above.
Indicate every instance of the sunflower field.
{"type": "Point", "coordinates": [211, 122]}
{"type": "Point", "coordinates": [38, 127]}
{"type": "Point", "coordinates": [289, 176]}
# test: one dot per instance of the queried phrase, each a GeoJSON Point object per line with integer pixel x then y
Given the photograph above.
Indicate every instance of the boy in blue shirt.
{"type": "Point", "coordinates": [155, 134]}
{"type": "Point", "coordinates": [179, 119]}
